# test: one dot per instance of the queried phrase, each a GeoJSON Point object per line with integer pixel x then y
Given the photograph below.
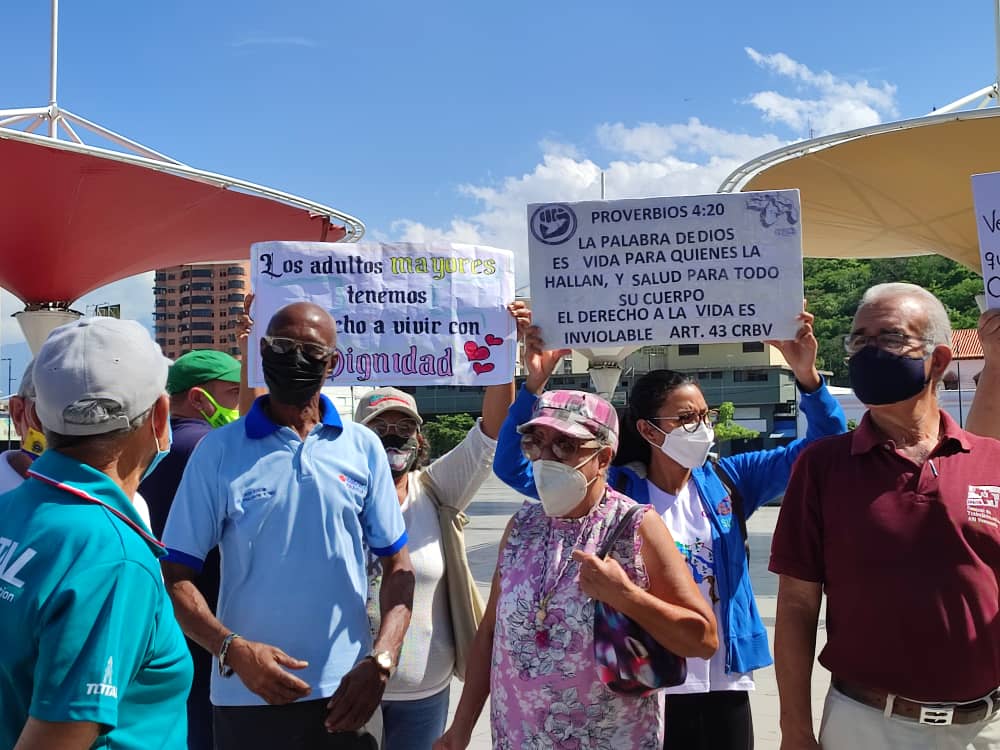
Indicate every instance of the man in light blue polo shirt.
{"type": "Point", "coordinates": [92, 655]}
{"type": "Point", "coordinates": [292, 497]}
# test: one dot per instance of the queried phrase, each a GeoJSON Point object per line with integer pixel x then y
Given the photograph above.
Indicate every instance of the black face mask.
{"type": "Point", "coordinates": [879, 378]}
{"type": "Point", "coordinates": [401, 452]}
{"type": "Point", "coordinates": [292, 378]}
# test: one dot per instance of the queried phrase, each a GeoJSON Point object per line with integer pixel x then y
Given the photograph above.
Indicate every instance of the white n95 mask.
{"type": "Point", "coordinates": [560, 487]}
{"type": "Point", "coordinates": [689, 449]}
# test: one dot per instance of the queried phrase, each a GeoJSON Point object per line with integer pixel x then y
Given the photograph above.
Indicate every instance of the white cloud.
{"type": "Point", "coordinates": [650, 141]}
{"type": "Point", "coordinates": [836, 104]}
{"type": "Point", "coordinates": [647, 159]}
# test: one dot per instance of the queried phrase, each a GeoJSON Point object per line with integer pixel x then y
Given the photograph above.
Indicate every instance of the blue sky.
{"type": "Point", "coordinates": [441, 120]}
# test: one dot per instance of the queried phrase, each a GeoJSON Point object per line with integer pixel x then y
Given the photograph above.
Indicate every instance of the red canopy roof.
{"type": "Point", "coordinates": [72, 220]}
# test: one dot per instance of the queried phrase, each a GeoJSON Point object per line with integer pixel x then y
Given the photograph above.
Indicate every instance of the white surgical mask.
{"type": "Point", "coordinates": [560, 487]}
{"type": "Point", "coordinates": [689, 449]}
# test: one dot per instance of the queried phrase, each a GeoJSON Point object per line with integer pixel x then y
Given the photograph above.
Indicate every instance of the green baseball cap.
{"type": "Point", "coordinates": [198, 367]}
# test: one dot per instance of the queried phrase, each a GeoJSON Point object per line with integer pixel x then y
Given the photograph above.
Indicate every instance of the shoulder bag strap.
{"type": "Point", "coordinates": [615, 535]}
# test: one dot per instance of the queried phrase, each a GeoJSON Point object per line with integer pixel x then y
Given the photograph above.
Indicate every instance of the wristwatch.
{"type": "Point", "coordinates": [384, 661]}
{"type": "Point", "coordinates": [224, 669]}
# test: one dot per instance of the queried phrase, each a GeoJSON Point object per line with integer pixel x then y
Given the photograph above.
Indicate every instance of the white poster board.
{"type": "Point", "coordinates": [681, 270]}
{"type": "Point", "coordinates": [406, 314]}
{"type": "Point", "coordinates": [986, 197]}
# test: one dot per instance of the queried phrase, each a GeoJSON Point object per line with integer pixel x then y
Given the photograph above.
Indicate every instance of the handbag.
{"type": "Point", "coordinates": [466, 604]}
{"type": "Point", "coordinates": [629, 660]}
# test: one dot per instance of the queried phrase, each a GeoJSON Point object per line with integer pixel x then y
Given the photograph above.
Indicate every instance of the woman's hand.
{"type": "Point", "coordinates": [604, 580]}
{"type": "Point", "coordinates": [522, 317]}
{"type": "Point", "coordinates": [539, 361]}
{"type": "Point", "coordinates": [450, 740]}
{"type": "Point", "coordinates": [800, 352]}
{"type": "Point", "coordinates": [245, 324]}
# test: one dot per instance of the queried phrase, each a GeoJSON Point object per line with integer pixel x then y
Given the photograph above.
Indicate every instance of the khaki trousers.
{"type": "Point", "coordinates": [849, 725]}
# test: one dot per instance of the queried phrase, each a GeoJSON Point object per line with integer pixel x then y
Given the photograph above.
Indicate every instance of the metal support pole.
{"type": "Point", "coordinates": [10, 382]}
{"type": "Point", "coordinates": [961, 412]}
{"type": "Point", "coordinates": [54, 70]}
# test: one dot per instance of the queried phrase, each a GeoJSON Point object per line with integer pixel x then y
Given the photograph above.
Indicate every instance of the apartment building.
{"type": "Point", "coordinates": [198, 306]}
{"type": "Point", "coordinates": [753, 376]}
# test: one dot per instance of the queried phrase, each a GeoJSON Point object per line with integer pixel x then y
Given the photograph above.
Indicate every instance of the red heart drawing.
{"type": "Point", "coordinates": [492, 340]}
{"type": "Point", "coordinates": [476, 353]}
{"type": "Point", "coordinates": [481, 367]}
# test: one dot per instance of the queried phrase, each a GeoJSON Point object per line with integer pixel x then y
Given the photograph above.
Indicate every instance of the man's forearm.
{"type": "Point", "coordinates": [57, 735]}
{"type": "Point", "coordinates": [476, 689]}
{"type": "Point", "coordinates": [194, 615]}
{"type": "Point", "coordinates": [396, 604]}
{"type": "Point", "coordinates": [794, 651]}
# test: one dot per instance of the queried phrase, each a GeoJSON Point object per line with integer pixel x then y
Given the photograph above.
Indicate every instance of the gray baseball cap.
{"type": "Point", "coordinates": [96, 375]}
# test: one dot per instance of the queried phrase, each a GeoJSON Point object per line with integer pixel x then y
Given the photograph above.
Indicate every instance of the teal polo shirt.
{"type": "Point", "coordinates": [294, 520]}
{"type": "Point", "coordinates": [87, 632]}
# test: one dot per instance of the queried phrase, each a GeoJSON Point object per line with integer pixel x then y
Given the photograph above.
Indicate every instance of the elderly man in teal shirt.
{"type": "Point", "coordinates": [92, 654]}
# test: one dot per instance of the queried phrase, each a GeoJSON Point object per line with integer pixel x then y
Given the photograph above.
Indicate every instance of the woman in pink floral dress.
{"type": "Point", "coordinates": [534, 652]}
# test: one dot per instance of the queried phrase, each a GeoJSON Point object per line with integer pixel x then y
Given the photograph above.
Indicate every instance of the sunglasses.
{"type": "Point", "coordinates": [405, 428]}
{"type": "Point", "coordinates": [282, 345]}
{"type": "Point", "coordinates": [563, 447]}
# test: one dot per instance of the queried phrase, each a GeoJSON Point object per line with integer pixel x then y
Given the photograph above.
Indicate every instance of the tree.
{"type": "Point", "coordinates": [834, 288]}
{"type": "Point", "coordinates": [727, 429]}
{"type": "Point", "coordinates": [446, 431]}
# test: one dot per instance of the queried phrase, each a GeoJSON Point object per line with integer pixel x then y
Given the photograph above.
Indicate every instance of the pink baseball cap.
{"type": "Point", "coordinates": [578, 414]}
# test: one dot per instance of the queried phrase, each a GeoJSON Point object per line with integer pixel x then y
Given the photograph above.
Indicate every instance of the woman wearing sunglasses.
{"type": "Point", "coordinates": [534, 653]}
{"type": "Point", "coordinates": [664, 461]}
{"type": "Point", "coordinates": [415, 703]}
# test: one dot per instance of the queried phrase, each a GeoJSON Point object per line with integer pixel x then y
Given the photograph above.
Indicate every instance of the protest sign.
{"type": "Point", "coordinates": [407, 314]}
{"type": "Point", "coordinates": [689, 269]}
{"type": "Point", "coordinates": [986, 197]}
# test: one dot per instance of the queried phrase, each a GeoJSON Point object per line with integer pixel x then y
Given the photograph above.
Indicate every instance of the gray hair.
{"type": "Point", "coordinates": [96, 411]}
{"type": "Point", "coordinates": [26, 389]}
{"type": "Point", "coordinates": [938, 329]}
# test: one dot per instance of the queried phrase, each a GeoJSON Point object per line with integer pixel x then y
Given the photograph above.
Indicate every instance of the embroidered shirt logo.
{"type": "Point", "coordinates": [354, 484]}
{"type": "Point", "coordinates": [106, 685]}
{"type": "Point", "coordinates": [983, 505]}
{"type": "Point", "coordinates": [256, 493]}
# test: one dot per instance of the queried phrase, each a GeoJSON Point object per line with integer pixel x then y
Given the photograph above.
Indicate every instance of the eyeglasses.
{"type": "Point", "coordinates": [405, 428]}
{"type": "Point", "coordinates": [563, 447]}
{"type": "Point", "coordinates": [691, 421]}
{"type": "Point", "coordinates": [282, 345]}
{"type": "Point", "coordinates": [894, 343]}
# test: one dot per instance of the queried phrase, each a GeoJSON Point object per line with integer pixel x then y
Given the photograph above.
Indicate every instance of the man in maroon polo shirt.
{"type": "Point", "coordinates": [898, 522]}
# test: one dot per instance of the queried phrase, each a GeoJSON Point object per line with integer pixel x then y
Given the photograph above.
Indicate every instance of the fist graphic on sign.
{"type": "Point", "coordinates": [553, 223]}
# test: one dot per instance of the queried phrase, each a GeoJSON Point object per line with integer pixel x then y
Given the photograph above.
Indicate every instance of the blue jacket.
{"type": "Point", "coordinates": [760, 476]}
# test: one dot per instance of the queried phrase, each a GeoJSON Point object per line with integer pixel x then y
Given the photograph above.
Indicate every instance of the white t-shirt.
{"type": "Point", "coordinates": [684, 516]}
{"type": "Point", "coordinates": [9, 479]}
{"type": "Point", "coordinates": [427, 659]}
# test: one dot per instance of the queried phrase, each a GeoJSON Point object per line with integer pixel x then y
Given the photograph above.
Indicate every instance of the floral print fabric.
{"type": "Point", "coordinates": [545, 691]}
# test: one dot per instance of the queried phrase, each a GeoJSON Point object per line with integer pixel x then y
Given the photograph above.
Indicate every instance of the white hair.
{"type": "Point", "coordinates": [938, 329]}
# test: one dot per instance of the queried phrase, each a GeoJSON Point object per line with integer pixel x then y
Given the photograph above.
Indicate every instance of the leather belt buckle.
{"type": "Point", "coordinates": [937, 715]}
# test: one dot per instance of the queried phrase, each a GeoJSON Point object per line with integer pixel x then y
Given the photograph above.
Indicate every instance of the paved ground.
{"type": "Point", "coordinates": [494, 506]}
